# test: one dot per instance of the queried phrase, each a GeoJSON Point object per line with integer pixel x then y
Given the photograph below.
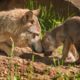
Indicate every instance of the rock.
{"type": "Point", "coordinates": [61, 7]}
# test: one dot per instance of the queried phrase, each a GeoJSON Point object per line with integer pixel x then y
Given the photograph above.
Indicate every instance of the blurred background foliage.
{"type": "Point", "coordinates": [48, 17]}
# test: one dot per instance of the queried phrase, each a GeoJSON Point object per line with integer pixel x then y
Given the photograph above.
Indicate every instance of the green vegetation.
{"type": "Point", "coordinates": [12, 68]}
{"type": "Point", "coordinates": [61, 76]}
{"type": "Point", "coordinates": [48, 20]}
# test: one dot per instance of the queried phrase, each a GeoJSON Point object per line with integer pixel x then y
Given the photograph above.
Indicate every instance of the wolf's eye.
{"type": "Point", "coordinates": [32, 21]}
{"type": "Point", "coordinates": [34, 35]}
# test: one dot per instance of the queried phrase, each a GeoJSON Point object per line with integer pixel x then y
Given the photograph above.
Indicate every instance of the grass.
{"type": "Point", "coordinates": [61, 76]}
{"type": "Point", "coordinates": [48, 21]}
{"type": "Point", "coordinates": [30, 69]}
{"type": "Point", "coordinates": [13, 68]}
{"type": "Point", "coordinates": [12, 73]}
{"type": "Point", "coordinates": [47, 17]}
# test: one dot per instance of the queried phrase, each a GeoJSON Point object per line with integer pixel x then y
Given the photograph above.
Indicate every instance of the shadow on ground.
{"type": "Point", "coordinates": [37, 58]}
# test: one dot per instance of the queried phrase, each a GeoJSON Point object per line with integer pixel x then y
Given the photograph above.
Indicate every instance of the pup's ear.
{"type": "Point", "coordinates": [47, 32]}
{"type": "Point", "coordinates": [36, 12]}
{"type": "Point", "coordinates": [27, 16]}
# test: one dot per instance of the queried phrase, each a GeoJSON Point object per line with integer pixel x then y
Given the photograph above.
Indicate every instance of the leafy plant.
{"type": "Point", "coordinates": [47, 18]}
{"type": "Point", "coordinates": [30, 69]}
{"type": "Point", "coordinates": [12, 73]}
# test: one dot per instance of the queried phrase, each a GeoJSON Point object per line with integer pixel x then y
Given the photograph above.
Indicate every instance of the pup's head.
{"type": "Point", "coordinates": [48, 44]}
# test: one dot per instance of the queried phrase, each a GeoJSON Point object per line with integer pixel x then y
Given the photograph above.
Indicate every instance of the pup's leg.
{"type": "Point", "coordinates": [74, 51]}
{"type": "Point", "coordinates": [66, 48]}
{"type": "Point", "coordinates": [78, 50]}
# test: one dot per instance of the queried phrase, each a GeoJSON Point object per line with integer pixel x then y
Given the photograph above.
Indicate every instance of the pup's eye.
{"type": "Point", "coordinates": [48, 39]}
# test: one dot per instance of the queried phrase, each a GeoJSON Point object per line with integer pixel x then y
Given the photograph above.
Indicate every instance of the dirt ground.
{"type": "Point", "coordinates": [33, 66]}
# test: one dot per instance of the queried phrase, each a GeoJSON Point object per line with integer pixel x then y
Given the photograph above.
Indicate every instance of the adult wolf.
{"type": "Point", "coordinates": [14, 23]}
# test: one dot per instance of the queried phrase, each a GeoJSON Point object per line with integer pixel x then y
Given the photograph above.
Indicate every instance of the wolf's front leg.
{"type": "Point", "coordinates": [5, 48]}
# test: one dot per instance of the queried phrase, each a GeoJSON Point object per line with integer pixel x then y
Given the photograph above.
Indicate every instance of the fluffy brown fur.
{"type": "Point", "coordinates": [15, 22]}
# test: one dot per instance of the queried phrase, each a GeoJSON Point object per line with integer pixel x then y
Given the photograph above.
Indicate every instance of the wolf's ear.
{"type": "Point", "coordinates": [36, 12]}
{"type": "Point", "coordinates": [27, 16]}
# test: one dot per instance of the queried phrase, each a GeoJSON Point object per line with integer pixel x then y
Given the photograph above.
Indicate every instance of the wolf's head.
{"type": "Point", "coordinates": [31, 36]}
{"type": "Point", "coordinates": [30, 21]}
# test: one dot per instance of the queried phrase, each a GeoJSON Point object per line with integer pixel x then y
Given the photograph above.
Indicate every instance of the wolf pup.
{"type": "Point", "coordinates": [67, 34]}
